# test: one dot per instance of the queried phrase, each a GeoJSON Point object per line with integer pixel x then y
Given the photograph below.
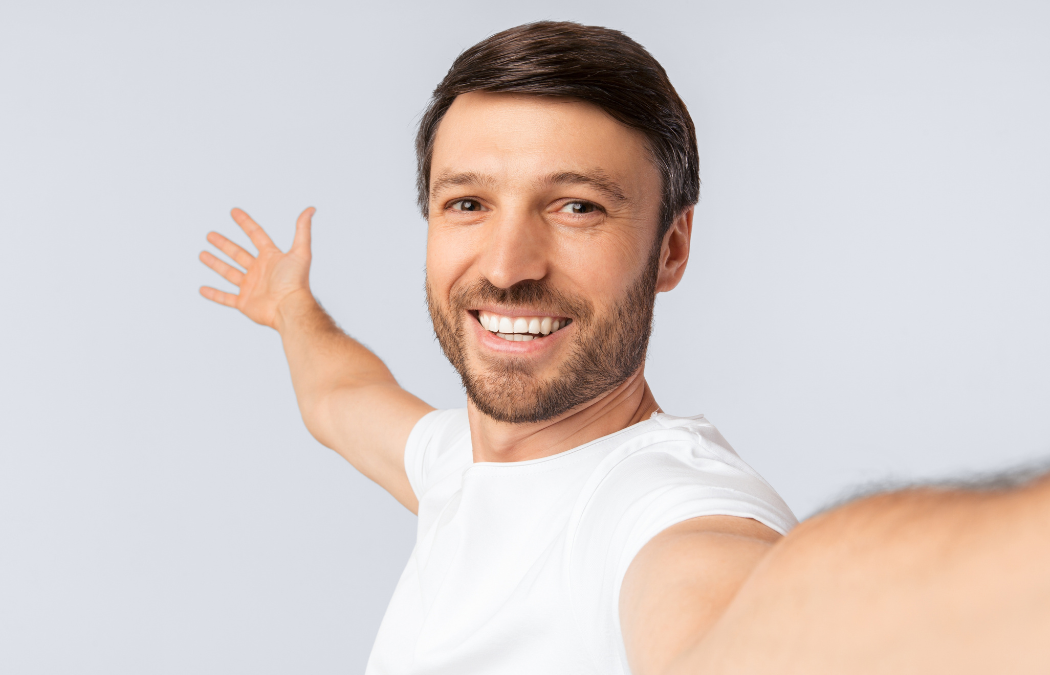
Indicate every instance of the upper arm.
{"type": "Point", "coordinates": [681, 581]}
{"type": "Point", "coordinates": [369, 426]}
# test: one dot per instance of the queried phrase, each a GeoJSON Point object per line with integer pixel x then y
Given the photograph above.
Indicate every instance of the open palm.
{"type": "Point", "coordinates": [269, 277]}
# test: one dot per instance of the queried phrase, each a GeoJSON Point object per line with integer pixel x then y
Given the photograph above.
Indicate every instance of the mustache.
{"type": "Point", "coordinates": [536, 294]}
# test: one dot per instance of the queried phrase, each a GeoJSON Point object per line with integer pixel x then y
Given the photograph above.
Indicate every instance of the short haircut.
{"type": "Point", "coordinates": [597, 65]}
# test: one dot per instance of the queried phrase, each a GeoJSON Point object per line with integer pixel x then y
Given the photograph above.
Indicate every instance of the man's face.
{"type": "Point", "coordinates": [542, 258]}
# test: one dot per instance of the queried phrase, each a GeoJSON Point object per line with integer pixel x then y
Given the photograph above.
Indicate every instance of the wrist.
{"type": "Point", "coordinates": [291, 307]}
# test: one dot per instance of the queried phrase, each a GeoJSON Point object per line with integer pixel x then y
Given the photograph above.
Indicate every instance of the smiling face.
{"type": "Point", "coordinates": [542, 256]}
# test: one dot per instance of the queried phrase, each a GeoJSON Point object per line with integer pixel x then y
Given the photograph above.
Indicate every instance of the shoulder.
{"type": "Point", "coordinates": [681, 463]}
{"type": "Point", "coordinates": [439, 444]}
{"type": "Point", "coordinates": [670, 470]}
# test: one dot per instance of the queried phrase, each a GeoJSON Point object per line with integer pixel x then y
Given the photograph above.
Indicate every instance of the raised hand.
{"type": "Point", "coordinates": [269, 277]}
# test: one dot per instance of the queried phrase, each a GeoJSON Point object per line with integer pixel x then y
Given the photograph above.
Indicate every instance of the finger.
{"type": "Point", "coordinates": [231, 274]}
{"type": "Point", "coordinates": [238, 254]}
{"type": "Point", "coordinates": [254, 232]}
{"type": "Point", "coordinates": [302, 230]}
{"type": "Point", "coordinates": [215, 295]}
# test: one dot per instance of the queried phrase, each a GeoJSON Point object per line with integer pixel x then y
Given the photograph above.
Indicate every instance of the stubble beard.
{"type": "Point", "coordinates": [604, 352]}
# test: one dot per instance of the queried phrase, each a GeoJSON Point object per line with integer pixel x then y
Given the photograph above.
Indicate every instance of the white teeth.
{"type": "Point", "coordinates": [521, 328]}
{"type": "Point", "coordinates": [516, 337]}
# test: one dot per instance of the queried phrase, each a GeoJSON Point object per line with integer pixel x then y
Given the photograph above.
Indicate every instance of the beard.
{"type": "Point", "coordinates": [605, 350]}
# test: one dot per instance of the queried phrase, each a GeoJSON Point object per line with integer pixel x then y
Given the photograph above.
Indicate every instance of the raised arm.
{"type": "Point", "coordinates": [348, 398]}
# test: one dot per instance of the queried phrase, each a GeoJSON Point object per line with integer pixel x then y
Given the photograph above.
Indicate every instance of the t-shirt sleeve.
{"type": "Point", "coordinates": [642, 489]}
{"type": "Point", "coordinates": [435, 446]}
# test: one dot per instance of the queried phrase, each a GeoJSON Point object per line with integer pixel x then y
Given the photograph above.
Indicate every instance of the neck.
{"type": "Point", "coordinates": [627, 404]}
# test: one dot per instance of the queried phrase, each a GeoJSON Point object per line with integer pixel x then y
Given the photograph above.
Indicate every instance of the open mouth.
{"type": "Point", "coordinates": [520, 328]}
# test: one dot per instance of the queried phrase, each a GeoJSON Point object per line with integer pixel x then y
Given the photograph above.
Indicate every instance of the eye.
{"type": "Point", "coordinates": [468, 205]}
{"type": "Point", "coordinates": [577, 208]}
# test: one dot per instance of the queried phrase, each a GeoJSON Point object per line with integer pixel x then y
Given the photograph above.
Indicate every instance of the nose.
{"type": "Point", "coordinates": [515, 248]}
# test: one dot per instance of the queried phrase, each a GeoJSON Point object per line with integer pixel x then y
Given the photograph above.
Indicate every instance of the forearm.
{"type": "Point", "coordinates": [919, 581]}
{"type": "Point", "coordinates": [347, 396]}
{"type": "Point", "coordinates": [321, 357]}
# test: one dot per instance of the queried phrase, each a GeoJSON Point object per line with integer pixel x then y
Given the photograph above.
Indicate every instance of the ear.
{"type": "Point", "coordinates": [674, 251]}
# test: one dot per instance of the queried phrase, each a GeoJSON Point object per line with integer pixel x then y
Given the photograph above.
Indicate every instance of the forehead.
{"type": "Point", "coordinates": [513, 136]}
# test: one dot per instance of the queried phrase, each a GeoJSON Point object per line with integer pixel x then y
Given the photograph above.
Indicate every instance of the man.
{"type": "Point", "coordinates": [565, 523]}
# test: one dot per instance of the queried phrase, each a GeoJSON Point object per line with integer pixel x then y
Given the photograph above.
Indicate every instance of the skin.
{"type": "Point", "coordinates": [920, 581]}
{"type": "Point", "coordinates": [521, 227]}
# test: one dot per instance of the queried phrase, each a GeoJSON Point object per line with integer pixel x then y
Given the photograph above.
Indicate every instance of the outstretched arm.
{"type": "Point", "coordinates": [348, 398]}
{"type": "Point", "coordinates": [918, 581]}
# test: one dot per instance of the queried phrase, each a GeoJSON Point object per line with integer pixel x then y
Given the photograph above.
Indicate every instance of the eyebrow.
{"type": "Point", "coordinates": [596, 179]}
{"type": "Point", "coordinates": [447, 180]}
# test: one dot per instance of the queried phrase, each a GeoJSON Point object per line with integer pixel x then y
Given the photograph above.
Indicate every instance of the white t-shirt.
{"type": "Point", "coordinates": [517, 565]}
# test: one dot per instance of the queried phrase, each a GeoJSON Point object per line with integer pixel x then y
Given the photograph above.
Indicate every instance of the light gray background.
{"type": "Point", "coordinates": [868, 297]}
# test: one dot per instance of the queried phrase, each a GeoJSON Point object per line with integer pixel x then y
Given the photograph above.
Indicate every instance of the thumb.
{"type": "Point", "coordinates": [301, 243]}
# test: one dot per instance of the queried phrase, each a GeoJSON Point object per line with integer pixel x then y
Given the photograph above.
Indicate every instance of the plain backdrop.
{"type": "Point", "coordinates": [868, 297]}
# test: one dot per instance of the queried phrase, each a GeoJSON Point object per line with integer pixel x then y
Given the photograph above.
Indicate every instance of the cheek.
{"type": "Point", "coordinates": [601, 269]}
{"type": "Point", "coordinates": [449, 255]}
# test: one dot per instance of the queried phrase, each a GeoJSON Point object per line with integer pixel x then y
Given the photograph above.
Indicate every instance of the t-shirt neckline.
{"type": "Point", "coordinates": [636, 428]}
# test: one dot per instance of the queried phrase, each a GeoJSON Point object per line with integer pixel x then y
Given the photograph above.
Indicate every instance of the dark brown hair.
{"type": "Point", "coordinates": [588, 63]}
